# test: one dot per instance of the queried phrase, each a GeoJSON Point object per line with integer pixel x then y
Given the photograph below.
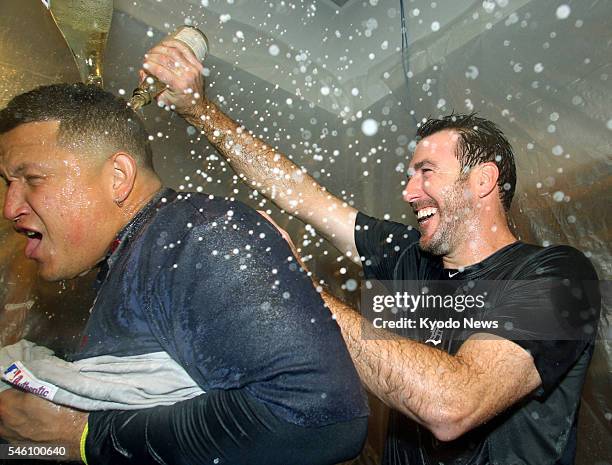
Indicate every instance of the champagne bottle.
{"type": "Point", "coordinates": [150, 87]}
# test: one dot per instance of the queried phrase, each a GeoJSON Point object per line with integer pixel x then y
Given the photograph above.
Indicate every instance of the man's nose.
{"type": "Point", "coordinates": [15, 204]}
{"type": "Point", "coordinates": [412, 191]}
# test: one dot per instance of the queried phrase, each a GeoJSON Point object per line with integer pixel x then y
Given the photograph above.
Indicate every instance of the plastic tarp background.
{"type": "Point", "coordinates": [325, 83]}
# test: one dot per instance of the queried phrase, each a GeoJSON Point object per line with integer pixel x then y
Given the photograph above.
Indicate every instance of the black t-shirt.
{"type": "Point", "coordinates": [540, 429]}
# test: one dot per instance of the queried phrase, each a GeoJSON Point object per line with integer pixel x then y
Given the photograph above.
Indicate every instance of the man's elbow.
{"type": "Point", "coordinates": [450, 423]}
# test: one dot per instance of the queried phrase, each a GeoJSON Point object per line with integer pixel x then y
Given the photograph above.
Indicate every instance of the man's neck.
{"type": "Point", "coordinates": [479, 245]}
{"type": "Point", "coordinates": [137, 201]}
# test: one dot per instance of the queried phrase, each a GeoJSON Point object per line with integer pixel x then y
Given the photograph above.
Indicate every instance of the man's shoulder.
{"type": "Point", "coordinates": [374, 236]}
{"type": "Point", "coordinates": [555, 261]}
{"type": "Point", "coordinates": [188, 226]}
{"type": "Point", "coordinates": [195, 211]}
{"type": "Point", "coordinates": [206, 206]}
{"type": "Point", "coordinates": [365, 223]}
{"type": "Point", "coordinates": [391, 251]}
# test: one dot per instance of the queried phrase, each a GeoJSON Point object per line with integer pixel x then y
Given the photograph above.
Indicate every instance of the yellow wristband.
{"type": "Point", "coordinates": [82, 444]}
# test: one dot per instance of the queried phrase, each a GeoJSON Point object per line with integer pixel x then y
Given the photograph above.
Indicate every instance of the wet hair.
{"type": "Point", "coordinates": [90, 119]}
{"type": "Point", "coordinates": [480, 141]}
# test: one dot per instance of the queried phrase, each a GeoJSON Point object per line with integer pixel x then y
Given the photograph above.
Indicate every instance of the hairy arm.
{"type": "Point", "coordinates": [448, 394]}
{"type": "Point", "coordinates": [258, 164]}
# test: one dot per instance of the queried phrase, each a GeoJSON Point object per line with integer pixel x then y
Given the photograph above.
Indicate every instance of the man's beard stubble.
{"type": "Point", "coordinates": [453, 221]}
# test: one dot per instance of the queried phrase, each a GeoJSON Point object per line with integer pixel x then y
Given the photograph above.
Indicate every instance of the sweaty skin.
{"type": "Point", "coordinates": [55, 196]}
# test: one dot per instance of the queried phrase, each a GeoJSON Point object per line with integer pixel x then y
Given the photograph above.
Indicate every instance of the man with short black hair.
{"type": "Point", "coordinates": [508, 395]}
{"type": "Point", "coordinates": [479, 141]}
{"type": "Point", "coordinates": [207, 281]}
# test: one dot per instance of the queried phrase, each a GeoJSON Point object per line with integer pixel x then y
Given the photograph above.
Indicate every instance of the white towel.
{"type": "Point", "coordinates": [97, 383]}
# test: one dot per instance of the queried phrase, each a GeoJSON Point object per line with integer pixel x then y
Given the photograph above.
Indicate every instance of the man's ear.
{"type": "Point", "coordinates": [124, 176]}
{"type": "Point", "coordinates": [486, 180]}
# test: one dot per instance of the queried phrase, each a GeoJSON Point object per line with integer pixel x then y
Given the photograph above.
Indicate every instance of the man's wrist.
{"type": "Point", "coordinates": [75, 435]}
{"type": "Point", "coordinates": [199, 113]}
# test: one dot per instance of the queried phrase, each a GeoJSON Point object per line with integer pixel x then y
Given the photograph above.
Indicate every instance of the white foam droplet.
{"type": "Point", "coordinates": [369, 127]}
{"type": "Point", "coordinates": [488, 6]}
{"type": "Point", "coordinates": [558, 196]}
{"type": "Point", "coordinates": [435, 26]}
{"type": "Point", "coordinates": [273, 50]}
{"type": "Point", "coordinates": [563, 11]}
{"type": "Point", "coordinates": [472, 72]}
{"type": "Point", "coordinates": [557, 150]}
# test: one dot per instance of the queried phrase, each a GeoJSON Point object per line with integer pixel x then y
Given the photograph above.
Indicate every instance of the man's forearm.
{"type": "Point", "coordinates": [422, 382]}
{"type": "Point", "coordinates": [273, 175]}
{"type": "Point", "coordinates": [264, 169]}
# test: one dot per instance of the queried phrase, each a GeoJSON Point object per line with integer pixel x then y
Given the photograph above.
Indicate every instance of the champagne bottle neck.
{"type": "Point", "coordinates": [140, 98]}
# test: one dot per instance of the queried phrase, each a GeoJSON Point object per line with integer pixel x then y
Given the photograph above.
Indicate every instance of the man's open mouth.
{"type": "Point", "coordinates": [34, 240]}
{"type": "Point", "coordinates": [425, 214]}
{"type": "Point", "coordinates": [33, 235]}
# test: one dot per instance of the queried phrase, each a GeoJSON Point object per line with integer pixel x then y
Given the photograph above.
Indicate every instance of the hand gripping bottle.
{"type": "Point", "coordinates": [150, 87]}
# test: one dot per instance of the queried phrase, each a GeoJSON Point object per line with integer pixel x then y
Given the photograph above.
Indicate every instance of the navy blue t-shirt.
{"type": "Point", "coordinates": [215, 285]}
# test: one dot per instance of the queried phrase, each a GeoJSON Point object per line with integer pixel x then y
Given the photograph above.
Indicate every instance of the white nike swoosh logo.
{"type": "Point", "coordinates": [451, 275]}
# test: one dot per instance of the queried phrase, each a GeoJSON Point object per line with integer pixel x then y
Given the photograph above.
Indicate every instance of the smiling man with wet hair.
{"type": "Point", "coordinates": [479, 141]}
{"type": "Point", "coordinates": [207, 281]}
{"type": "Point", "coordinates": [451, 150]}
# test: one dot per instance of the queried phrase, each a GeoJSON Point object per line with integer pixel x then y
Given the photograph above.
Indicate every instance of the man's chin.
{"type": "Point", "coordinates": [56, 276]}
{"type": "Point", "coordinates": [433, 245]}
{"type": "Point", "coordinates": [425, 244]}
{"type": "Point", "coordinates": [426, 238]}
{"type": "Point", "coordinates": [50, 275]}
